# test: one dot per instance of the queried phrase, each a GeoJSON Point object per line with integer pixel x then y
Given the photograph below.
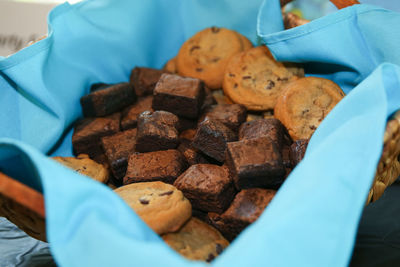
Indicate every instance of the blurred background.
{"type": "Point", "coordinates": [22, 21]}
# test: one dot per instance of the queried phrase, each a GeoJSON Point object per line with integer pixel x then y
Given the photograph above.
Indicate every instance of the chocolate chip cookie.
{"type": "Point", "coordinates": [160, 205]}
{"type": "Point", "coordinates": [305, 103]}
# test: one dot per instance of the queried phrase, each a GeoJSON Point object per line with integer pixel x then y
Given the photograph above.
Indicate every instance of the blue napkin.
{"type": "Point", "coordinates": [313, 219]}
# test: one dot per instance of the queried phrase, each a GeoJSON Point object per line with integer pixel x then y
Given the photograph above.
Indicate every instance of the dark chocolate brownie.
{"type": "Point", "coordinates": [192, 155]}
{"type": "Point", "coordinates": [232, 115]}
{"type": "Point", "coordinates": [156, 131]}
{"type": "Point", "coordinates": [185, 124]}
{"type": "Point", "coordinates": [89, 131]}
{"type": "Point", "coordinates": [108, 100]}
{"type": "Point", "coordinates": [130, 114]}
{"type": "Point", "coordinates": [286, 157]}
{"type": "Point", "coordinates": [181, 96]}
{"type": "Point", "coordinates": [211, 138]}
{"type": "Point", "coordinates": [245, 209]}
{"type": "Point", "coordinates": [144, 80]}
{"type": "Point", "coordinates": [163, 166]}
{"type": "Point", "coordinates": [297, 151]}
{"type": "Point", "coordinates": [255, 163]}
{"type": "Point", "coordinates": [208, 187]}
{"type": "Point", "coordinates": [117, 149]}
{"type": "Point", "coordinates": [271, 128]}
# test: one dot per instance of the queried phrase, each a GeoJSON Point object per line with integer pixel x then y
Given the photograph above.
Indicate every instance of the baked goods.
{"type": "Point", "coordinates": [305, 103]}
{"type": "Point", "coordinates": [254, 79]}
{"type": "Point", "coordinates": [181, 96]}
{"type": "Point", "coordinates": [206, 54]}
{"type": "Point", "coordinates": [245, 209]}
{"type": "Point", "coordinates": [105, 101]}
{"type": "Point", "coordinates": [163, 166]}
{"type": "Point", "coordinates": [231, 115]}
{"type": "Point", "coordinates": [84, 165]}
{"type": "Point", "coordinates": [297, 151]}
{"type": "Point", "coordinates": [197, 240]}
{"type": "Point", "coordinates": [170, 66]}
{"type": "Point", "coordinates": [156, 131]}
{"type": "Point", "coordinates": [144, 80]}
{"type": "Point", "coordinates": [255, 163]}
{"type": "Point", "coordinates": [117, 149]}
{"type": "Point", "coordinates": [191, 154]}
{"type": "Point", "coordinates": [212, 137]}
{"type": "Point", "coordinates": [208, 187]}
{"type": "Point", "coordinates": [161, 206]}
{"type": "Point", "coordinates": [130, 114]}
{"type": "Point", "coordinates": [88, 132]}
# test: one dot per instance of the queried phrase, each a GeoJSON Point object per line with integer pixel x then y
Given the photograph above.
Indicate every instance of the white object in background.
{"type": "Point", "coordinates": [21, 23]}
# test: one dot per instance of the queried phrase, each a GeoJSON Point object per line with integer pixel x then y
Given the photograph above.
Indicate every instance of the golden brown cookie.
{"type": "Point", "coordinates": [160, 205]}
{"type": "Point", "coordinates": [86, 166]}
{"type": "Point", "coordinates": [305, 103]}
{"type": "Point", "coordinates": [197, 241]}
{"type": "Point", "coordinates": [170, 66]}
{"type": "Point", "coordinates": [206, 54]}
{"type": "Point", "coordinates": [253, 78]}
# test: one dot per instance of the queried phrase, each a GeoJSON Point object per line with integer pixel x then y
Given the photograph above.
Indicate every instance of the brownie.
{"type": "Point", "coordinates": [297, 151]}
{"type": "Point", "coordinates": [88, 132]}
{"type": "Point", "coordinates": [107, 100]}
{"type": "Point", "coordinates": [202, 215]}
{"type": "Point", "coordinates": [99, 86]}
{"type": "Point", "coordinates": [211, 138]}
{"type": "Point", "coordinates": [181, 96]}
{"type": "Point", "coordinates": [208, 187]}
{"type": "Point", "coordinates": [271, 128]}
{"type": "Point", "coordinates": [117, 149]}
{"type": "Point", "coordinates": [286, 157]}
{"type": "Point", "coordinates": [192, 155]}
{"type": "Point", "coordinates": [163, 166]}
{"type": "Point", "coordinates": [144, 80]}
{"type": "Point", "coordinates": [245, 209]}
{"type": "Point", "coordinates": [156, 131]}
{"type": "Point", "coordinates": [130, 114]}
{"type": "Point", "coordinates": [255, 163]}
{"type": "Point", "coordinates": [232, 115]}
{"type": "Point", "coordinates": [186, 124]}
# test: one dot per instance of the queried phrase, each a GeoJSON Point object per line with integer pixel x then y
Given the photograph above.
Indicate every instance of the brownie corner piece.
{"type": "Point", "coordinates": [212, 137]}
{"type": "Point", "coordinates": [255, 163]}
{"type": "Point", "coordinates": [180, 95]}
{"type": "Point", "coordinates": [208, 187]}
{"type": "Point", "coordinates": [131, 113]}
{"type": "Point", "coordinates": [232, 115]}
{"type": "Point", "coordinates": [157, 131]}
{"type": "Point", "coordinates": [166, 166]}
{"type": "Point", "coordinates": [117, 149]}
{"type": "Point", "coordinates": [144, 80]}
{"type": "Point", "coordinates": [107, 100]}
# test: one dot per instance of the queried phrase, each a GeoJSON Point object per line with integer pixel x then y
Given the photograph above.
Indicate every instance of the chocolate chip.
{"type": "Point", "coordinates": [270, 85]}
{"type": "Point", "coordinates": [143, 201]}
{"type": "Point", "coordinates": [246, 77]}
{"type": "Point", "coordinates": [166, 193]}
{"type": "Point", "coordinates": [305, 111]}
{"type": "Point", "coordinates": [199, 69]}
{"type": "Point", "coordinates": [312, 127]}
{"type": "Point", "coordinates": [210, 257]}
{"type": "Point", "coordinates": [215, 29]}
{"type": "Point", "coordinates": [231, 75]}
{"type": "Point", "coordinates": [244, 68]}
{"type": "Point", "coordinates": [216, 59]}
{"type": "Point", "coordinates": [235, 85]}
{"type": "Point", "coordinates": [219, 248]}
{"type": "Point", "coordinates": [84, 167]}
{"type": "Point", "coordinates": [282, 79]}
{"type": "Point", "coordinates": [194, 48]}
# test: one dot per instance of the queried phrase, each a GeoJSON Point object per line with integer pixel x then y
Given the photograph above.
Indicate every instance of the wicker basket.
{"type": "Point", "coordinates": [25, 207]}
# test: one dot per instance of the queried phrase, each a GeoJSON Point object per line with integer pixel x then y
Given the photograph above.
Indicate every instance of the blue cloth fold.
{"type": "Point", "coordinates": [313, 219]}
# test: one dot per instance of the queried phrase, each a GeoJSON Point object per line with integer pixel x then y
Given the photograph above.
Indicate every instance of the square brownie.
{"type": "Point", "coordinates": [255, 163]}
{"type": "Point", "coordinates": [107, 100]}
{"type": "Point", "coordinates": [144, 80]}
{"type": "Point", "coordinates": [245, 209]}
{"type": "Point", "coordinates": [130, 114]}
{"type": "Point", "coordinates": [163, 166]}
{"type": "Point", "coordinates": [232, 115]}
{"type": "Point", "coordinates": [156, 131]}
{"type": "Point", "coordinates": [117, 149]}
{"type": "Point", "coordinates": [211, 139]}
{"type": "Point", "coordinates": [88, 132]}
{"type": "Point", "coordinates": [192, 155]}
{"type": "Point", "coordinates": [208, 187]}
{"type": "Point", "coordinates": [271, 128]}
{"type": "Point", "coordinates": [181, 96]}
